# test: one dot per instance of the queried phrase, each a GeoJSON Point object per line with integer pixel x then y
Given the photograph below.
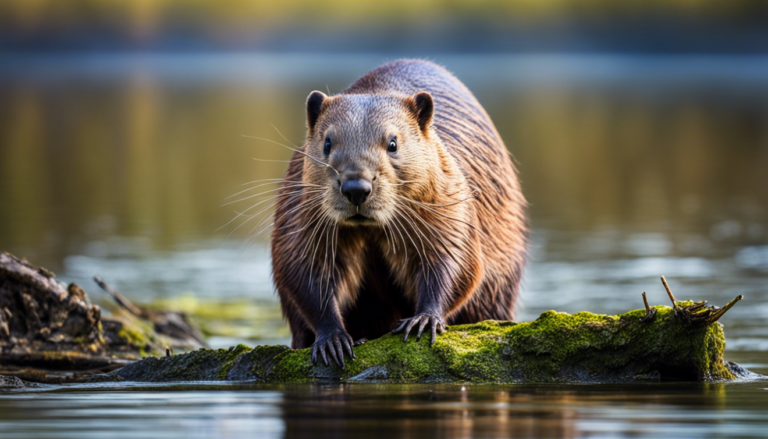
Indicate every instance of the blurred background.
{"type": "Point", "coordinates": [640, 129]}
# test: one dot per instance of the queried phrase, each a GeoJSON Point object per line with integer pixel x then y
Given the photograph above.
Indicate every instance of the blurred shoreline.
{"type": "Point", "coordinates": [631, 35]}
{"type": "Point", "coordinates": [149, 145]}
{"type": "Point", "coordinates": [625, 69]}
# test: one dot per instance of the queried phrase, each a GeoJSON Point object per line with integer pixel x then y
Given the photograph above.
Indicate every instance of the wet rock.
{"type": "Point", "coordinates": [11, 382]}
{"type": "Point", "coordinates": [372, 374]}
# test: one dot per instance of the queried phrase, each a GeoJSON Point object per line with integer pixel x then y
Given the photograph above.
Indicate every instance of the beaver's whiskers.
{"type": "Point", "coordinates": [327, 165]}
{"type": "Point", "coordinates": [311, 202]}
{"type": "Point", "coordinates": [441, 214]}
{"type": "Point", "coordinates": [293, 186]}
{"type": "Point", "coordinates": [438, 235]}
{"type": "Point", "coordinates": [274, 197]}
{"type": "Point", "coordinates": [421, 254]}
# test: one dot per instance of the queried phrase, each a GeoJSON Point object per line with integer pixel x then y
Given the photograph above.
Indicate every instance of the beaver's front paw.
{"type": "Point", "coordinates": [435, 322]}
{"type": "Point", "coordinates": [335, 341]}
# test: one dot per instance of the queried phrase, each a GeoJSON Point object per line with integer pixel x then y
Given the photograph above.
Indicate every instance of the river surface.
{"type": "Point", "coordinates": [635, 167]}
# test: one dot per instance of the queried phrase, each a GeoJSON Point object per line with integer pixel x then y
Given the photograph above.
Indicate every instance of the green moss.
{"type": "Point", "coordinates": [227, 357]}
{"type": "Point", "coordinates": [241, 318]}
{"type": "Point", "coordinates": [140, 335]}
{"type": "Point", "coordinates": [64, 356]}
{"type": "Point", "coordinates": [100, 332]}
{"type": "Point", "coordinates": [262, 359]}
{"type": "Point", "coordinates": [200, 365]}
{"type": "Point", "coordinates": [477, 352]}
{"type": "Point", "coordinates": [405, 362]}
{"type": "Point", "coordinates": [132, 336]}
{"type": "Point", "coordinates": [295, 366]}
{"type": "Point", "coordinates": [556, 347]}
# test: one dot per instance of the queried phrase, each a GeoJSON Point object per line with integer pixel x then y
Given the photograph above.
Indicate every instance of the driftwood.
{"type": "Point", "coordinates": [49, 332]}
{"type": "Point", "coordinates": [45, 326]}
{"type": "Point", "coordinates": [172, 324]}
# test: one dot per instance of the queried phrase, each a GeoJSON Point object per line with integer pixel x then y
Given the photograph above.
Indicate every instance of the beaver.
{"type": "Point", "coordinates": [402, 210]}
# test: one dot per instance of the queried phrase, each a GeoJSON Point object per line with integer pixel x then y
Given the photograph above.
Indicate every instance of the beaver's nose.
{"type": "Point", "coordinates": [356, 190]}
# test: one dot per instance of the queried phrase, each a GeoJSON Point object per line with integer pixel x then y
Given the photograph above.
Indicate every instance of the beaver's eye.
{"type": "Point", "coordinates": [392, 146]}
{"type": "Point", "coordinates": [327, 148]}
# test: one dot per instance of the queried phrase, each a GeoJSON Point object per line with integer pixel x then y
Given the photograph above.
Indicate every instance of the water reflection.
{"type": "Point", "coordinates": [309, 411]}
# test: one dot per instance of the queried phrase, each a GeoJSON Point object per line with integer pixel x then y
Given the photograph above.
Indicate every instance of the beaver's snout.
{"type": "Point", "coordinates": [356, 190]}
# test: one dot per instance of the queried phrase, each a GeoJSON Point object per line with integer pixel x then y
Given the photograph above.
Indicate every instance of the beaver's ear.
{"type": "Point", "coordinates": [314, 104]}
{"type": "Point", "coordinates": [423, 108]}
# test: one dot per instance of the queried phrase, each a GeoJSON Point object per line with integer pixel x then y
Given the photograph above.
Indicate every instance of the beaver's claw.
{"type": "Point", "coordinates": [436, 324]}
{"type": "Point", "coordinates": [336, 342]}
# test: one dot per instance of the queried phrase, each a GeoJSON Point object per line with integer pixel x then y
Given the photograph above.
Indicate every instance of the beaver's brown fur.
{"type": "Point", "coordinates": [442, 234]}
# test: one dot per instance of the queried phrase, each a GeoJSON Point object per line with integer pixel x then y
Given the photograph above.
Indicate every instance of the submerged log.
{"type": "Point", "coordinates": [556, 347]}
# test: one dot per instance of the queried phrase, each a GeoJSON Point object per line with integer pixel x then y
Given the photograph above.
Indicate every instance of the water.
{"type": "Point", "coordinates": [310, 411]}
{"type": "Point", "coordinates": [635, 167]}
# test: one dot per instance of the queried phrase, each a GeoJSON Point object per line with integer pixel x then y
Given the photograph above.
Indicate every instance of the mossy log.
{"type": "Point", "coordinates": [555, 348]}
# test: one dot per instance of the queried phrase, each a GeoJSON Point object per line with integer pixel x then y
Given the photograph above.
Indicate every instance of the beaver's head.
{"type": "Point", "coordinates": [367, 152]}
